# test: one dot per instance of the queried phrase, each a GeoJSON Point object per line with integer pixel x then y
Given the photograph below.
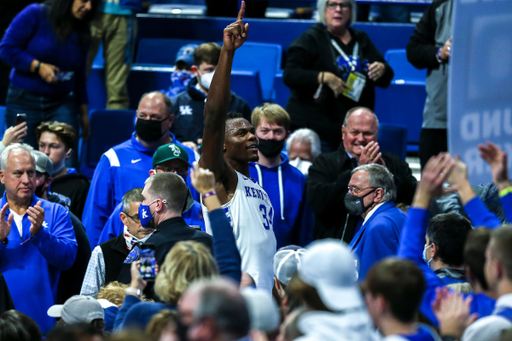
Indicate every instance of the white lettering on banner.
{"type": "Point", "coordinates": [486, 125]}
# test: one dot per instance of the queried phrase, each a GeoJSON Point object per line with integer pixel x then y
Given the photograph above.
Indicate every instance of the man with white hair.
{"type": "Point", "coordinates": [303, 147]}
{"type": "Point", "coordinates": [371, 192]}
{"type": "Point", "coordinates": [36, 238]}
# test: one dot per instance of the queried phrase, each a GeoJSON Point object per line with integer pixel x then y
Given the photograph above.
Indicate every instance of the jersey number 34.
{"type": "Point", "coordinates": [268, 220]}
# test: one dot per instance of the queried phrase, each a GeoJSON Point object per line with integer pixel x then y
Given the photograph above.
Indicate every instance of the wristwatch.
{"type": "Point", "coordinates": [135, 291]}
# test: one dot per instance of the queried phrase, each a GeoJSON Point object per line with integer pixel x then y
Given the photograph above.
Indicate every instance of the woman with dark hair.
{"type": "Point", "coordinates": [47, 47]}
{"type": "Point", "coordinates": [16, 326]}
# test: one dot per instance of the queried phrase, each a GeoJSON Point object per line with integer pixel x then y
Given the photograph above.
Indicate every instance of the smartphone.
{"type": "Point", "coordinates": [20, 118]}
{"type": "Point", "coordinates": [147, 262]}
{"type": "Point", "coordinates": [64, 75]}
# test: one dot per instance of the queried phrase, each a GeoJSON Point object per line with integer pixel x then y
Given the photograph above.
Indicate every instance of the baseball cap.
{"type": "Point", "coordinates": [186, 54]}
{"type": "Point", "coordinates": [43, 162]}
{"type": "Point", "coordinates": [262, 308]}
{"type": "Point", "coordinates": [78, 309]}
{"type": "Point", "coordinates": [287, 261]}
{"type": "Point", "coordinates": [328, 265]}
{"type": "Point", "coordinates": [168, 152]}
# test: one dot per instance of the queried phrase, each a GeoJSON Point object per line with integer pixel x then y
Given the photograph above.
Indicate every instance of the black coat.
{"type": "Point", "coordinates": [327, 184]}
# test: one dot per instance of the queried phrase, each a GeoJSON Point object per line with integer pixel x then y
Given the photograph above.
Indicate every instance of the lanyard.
{"type": "Point", "coordinates": [355, 53]}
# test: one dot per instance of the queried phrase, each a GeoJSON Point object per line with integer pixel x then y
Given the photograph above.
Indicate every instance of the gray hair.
{"type": "Point", "coordinates": [16, 147]}
{"type": "Point", "coordinates": [379, 176]}
{"type": "Point", "coordinates": [133, 195]}
{"type": "Point", "coordinates": [221, 300]}
{"type": "Point", "coordinates": [320, 7]}
{"type": "Point", "coordinates": [170, 187]}
{"type": "Point", "coordinates": [305, 135]}
{"type": "Point", "coordinates": [351, 111]}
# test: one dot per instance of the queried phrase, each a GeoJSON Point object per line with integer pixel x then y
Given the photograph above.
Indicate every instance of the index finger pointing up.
{"type": "Point", "coordinates": [241, 12]}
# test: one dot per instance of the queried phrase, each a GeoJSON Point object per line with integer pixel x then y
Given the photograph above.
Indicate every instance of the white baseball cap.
{"type": "Point", "coordinates": [328, 265]}
{"type": "Point", "coordinates": [287, 261]}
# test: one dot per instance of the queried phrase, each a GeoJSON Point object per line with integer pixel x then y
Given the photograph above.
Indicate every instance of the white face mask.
{"type": "Point", "coordinates": [206, 79]}
{"type": "Point", "coordinates": [302, 165]}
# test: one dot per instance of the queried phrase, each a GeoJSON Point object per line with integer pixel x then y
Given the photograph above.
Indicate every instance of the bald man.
{"type": "Point", "coordinates": [126, 166]}
{"type": "Point", "coordinates": [330, 174]}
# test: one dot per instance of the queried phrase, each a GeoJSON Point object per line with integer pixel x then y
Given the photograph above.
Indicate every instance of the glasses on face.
{"type": "Point", "coordinates": [135, 217]}
{"type": "Point", "coordinates": [357, 190]}
{"type": "Point", "coordinates": [343, 5]}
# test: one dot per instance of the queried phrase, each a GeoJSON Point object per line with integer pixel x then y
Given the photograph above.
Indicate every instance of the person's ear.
{"type": "Point", "coordinates": [171, 120]}
{"type": "Point", "coordinates": [379, 195]}
{"type": "Point", "coordinates": [434, 251]}
{"type": "Point", "coordinates": [277, 284]}
{"type": "Point", "coordinates": [343, 131]}
{"type": "Point", "coordinates": [193, 68]}
{"type": "Point", "coordinates": [224, 147]}
{"type": "Point", "coordinates": [152, 172]}
{"type": "Point", "coordinates": [124, 218]}
{"type": "Point", "coordinates": [2, 174]}
{"type": "Point", "coordinates": [69, 153]}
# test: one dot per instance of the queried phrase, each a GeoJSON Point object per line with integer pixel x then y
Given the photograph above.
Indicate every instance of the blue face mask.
{"type": "Point", "coordinates": [145, 215]}
{"type": "Point", "coordinates": [424, 254]}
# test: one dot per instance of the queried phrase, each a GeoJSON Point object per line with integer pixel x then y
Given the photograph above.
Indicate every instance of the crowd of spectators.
{"type": "Point", "coordinates": [217, 222]}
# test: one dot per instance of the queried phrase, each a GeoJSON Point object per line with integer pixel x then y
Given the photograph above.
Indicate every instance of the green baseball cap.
{"type": "Point", "coordinates": [168, 152]}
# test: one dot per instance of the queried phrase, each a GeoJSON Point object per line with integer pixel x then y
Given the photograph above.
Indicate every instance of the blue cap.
{"type": "Point", "coordinates": [186, 54]}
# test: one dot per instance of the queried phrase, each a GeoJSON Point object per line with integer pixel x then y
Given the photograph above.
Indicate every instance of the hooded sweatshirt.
{"type": "Point", "coordinates": [284, 184]}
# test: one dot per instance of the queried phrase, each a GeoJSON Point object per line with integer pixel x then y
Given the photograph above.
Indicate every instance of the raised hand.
{"type": "Point", "coordinates": [236, 33]}
{"type": "Point", "coordinates": [5, 226]}
{"type": "Point", "coordinates": [497, 159]}
{"type": "Point", "coordinates": [36, 217]}
{"type": "Point", "coordinates": [453, 313]}
{"type": "Point", "coordinates": [436, 171]}
{"type": "Point", "coordinates": [202, 179]}
{"type": "Point", "coordinates": [15, 134]}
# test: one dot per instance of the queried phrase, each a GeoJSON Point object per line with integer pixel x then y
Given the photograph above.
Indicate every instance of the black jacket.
{"type": "Point", "coordinates": [114, 253]}
{"type": "Point", "coordinates": [311, 53]}
{"type": "Point", "coordinates": [188, 108]}
{"type": "Point", "coordinates": [75, 187]}
{"type": "Point", "coordinates": [168, 233]}
{"type": "Point", "coordinates": [327, 184]}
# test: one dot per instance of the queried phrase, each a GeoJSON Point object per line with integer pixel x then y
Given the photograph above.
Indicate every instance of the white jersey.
{"type": "Point", "coordinates": [251, 216]}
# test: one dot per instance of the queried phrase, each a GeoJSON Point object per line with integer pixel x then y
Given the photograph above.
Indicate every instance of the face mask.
{"type": "Point", "coordinates": [206, 79]}
{"type": "Point", "coordinates": [145, 215]}
{"type": "Point", "coordinates": [270, 148]}
{"type": "Point", "coordinates": [355, 205]}
{"type": "Point", "coordinates": [302, 165]}
{"type": "Point", "coordinates": [149, 130]}
{"type": "Point", "coordinates": [425, 255]}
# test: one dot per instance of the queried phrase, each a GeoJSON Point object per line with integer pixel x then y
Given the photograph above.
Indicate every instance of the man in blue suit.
{"type": "Point", "coordinates": [371, 192]}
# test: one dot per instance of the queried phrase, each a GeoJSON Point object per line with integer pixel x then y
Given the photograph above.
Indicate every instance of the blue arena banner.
{"type": "Point", "coordinates": [480, 83]}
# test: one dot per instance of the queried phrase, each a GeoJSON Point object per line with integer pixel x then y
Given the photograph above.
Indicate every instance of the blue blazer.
{"type": "Point", "coordinates": [378, 238]}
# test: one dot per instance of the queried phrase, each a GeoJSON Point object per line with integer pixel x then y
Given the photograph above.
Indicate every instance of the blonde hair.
{"type": "Point", "coordinates": [187, 261]}
{"type": "Point", "coordinates": [272, 113]}
{"type": "Point", "coordinates": [115, 292]}
{"type": "Point", "coordinates": [160, 322]}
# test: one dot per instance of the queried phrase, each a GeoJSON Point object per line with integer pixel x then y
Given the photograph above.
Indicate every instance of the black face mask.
{"type": "Point", "coordinates": [270, 148]}
{"type": "Point", "coordinates": [355, 205]}
{"type": "Point", "coordinates": [149, 130]}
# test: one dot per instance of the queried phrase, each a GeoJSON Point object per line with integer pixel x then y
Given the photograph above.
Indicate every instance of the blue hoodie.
{"type": "Point", "coordinates": [121, 168]}
{"type": "Point", "coordinates": [285, 185]}
{"type": "Point", "coordinates": [114, 226]}
{"type": "Point", "coordinates": [32, 270]}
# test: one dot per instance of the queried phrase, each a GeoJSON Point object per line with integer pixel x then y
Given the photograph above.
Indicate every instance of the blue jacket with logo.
{"type": "Point", "coordinates": [120, 169]}
{"type": "Point", "coordinates": [114, 226]}
{"type": "Point", "coordinates": [285, 186]}
{"type": "Point", "coordinates": [32, 270]}
{"type": "Point", "coordinates": [378, 237]}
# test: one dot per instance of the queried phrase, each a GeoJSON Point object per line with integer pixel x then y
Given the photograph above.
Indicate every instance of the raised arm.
{"type": "Point", "coordinates": [217, 103]}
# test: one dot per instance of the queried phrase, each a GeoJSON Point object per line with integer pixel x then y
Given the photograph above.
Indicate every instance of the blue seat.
{"type": "Point", "coordinates": [282, 91]}
{"type": "Point", "coordinates": [247, 85]}
{"type": "Point", "coordinates": [264, 58]}
{"type": "Point", "coordinates": [108, 128]}
{"type": "Point", "coordinates": [159, 51]}
{"type": "Point", "coordinates": [96, 91]}
{"type": "Point", "coordinates": [393, 139]}
{"type": "Point", "coordinates": [405, 73]}
{"type": "Point", "coordinates": [146, 79]}
{"type": "Point", "coordinates": [2, 122]}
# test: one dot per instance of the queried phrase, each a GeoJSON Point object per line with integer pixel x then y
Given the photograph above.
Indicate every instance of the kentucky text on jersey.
{"type": "Point", "coordinates": [256, 193]}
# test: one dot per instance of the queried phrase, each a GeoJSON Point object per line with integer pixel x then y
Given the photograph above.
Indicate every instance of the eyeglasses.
{"type": "Point", "coordinates": [356, 190]}
{"type": "Point", "coordinates": [343, 5]}
{"type": "Point", "coordinates": [135, 217]}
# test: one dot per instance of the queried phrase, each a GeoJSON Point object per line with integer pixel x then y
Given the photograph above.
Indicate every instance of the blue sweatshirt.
{"type": "Point", "coordinates": [285, 186]}
{"type": "Point", "coordinates": [411, 247]}
{"type": "Point", "coordinates": [119, 170]}
{"type": "Point", "coordinates": [136, 314]}
{"type": "Point", "coordinates": [114, 226]}
{"type": "Point", "coordinates": [30, 36]}
{"type": "Point", "coordinates": [32, 270]}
